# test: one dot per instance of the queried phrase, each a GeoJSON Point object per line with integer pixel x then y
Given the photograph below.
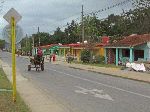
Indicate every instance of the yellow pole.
{"type": "Point", "coordinates": [13, 43]}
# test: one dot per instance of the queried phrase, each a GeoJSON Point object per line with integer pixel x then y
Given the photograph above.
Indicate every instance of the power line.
{"type": "Point", "coordinates": [109, 7]}
{"type": "Point", "coordinates": [66, 25]}
{"type": "Point", "coordinates": [101, 10]}
{"type": "Point", "coordinates": [69, 17]}
{"type": "Point", "coordinates": [94, 12]}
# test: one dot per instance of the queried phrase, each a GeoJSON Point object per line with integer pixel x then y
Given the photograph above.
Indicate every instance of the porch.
{"type": "Point", "coordinates": [121, 55]}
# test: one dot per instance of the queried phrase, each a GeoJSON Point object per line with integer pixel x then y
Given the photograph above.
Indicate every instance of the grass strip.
{"type": "Point", "coordinates": [6, 102]}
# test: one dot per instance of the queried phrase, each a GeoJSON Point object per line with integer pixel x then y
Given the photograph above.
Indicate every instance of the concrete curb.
{"type": "Point", "coordinates": [124, 77]}
{"type": "Point", "coordinates": [120, 76]}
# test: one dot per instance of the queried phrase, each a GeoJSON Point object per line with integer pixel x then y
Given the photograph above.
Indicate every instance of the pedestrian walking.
{"type": "Point", "coordinates": [69, 57]}
{"type": "Point", "coordinates": [50, 58]}
{"type": "Point", "coordinates": [54, 57]}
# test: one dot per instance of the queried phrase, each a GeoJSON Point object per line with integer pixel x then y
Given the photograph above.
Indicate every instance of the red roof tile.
{"type": "Point", "coordinates": [100, 44]}
{"type": "Point", "coordinates": [48, 46]}
{"type": "Point", "coordinates": [131, 41]}
{"type": "Point", "coordinates": [77, 45]}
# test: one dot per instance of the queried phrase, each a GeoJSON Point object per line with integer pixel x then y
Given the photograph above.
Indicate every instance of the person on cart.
{"type": "Point", "coordinates": [38, 56]}
{"type": "Point", "coordinates": [39, 52]}
{"type": "Point", "coordinates": [38, 60]}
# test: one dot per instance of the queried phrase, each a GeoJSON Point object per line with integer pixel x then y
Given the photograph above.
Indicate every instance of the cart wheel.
{"type": "Point", "coordinates": [42, 67]}
{"type": "Point", "coordinates": [29, 67]}
{"type": "Point", "coordinates": [36, 68]}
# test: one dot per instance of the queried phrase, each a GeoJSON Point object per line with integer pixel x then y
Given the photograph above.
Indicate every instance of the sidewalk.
{"type": "Point", "coordinates": [35, 98]}
{"type": "Point", "coordinates": [139, 76]}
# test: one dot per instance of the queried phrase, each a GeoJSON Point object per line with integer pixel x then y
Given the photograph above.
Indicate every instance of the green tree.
{"type": "Point", "coordinates": [91, 24]}
{"type": "Point", "coordinates": [135, 21]}
{"type": "Point", "coordinates": [72, 33]}
{"type": "Point", "coordinates": [26, 44]}
{"type": "Point", "coordinates": [2, 44]}
{"type": "Point", "coordinates": [141, 16]}
{"type": "Point", "coordinates": [58, 37]}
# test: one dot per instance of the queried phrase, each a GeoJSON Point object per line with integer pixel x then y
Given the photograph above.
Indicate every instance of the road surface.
{"type": "Point", "coordinates": [84, 91]}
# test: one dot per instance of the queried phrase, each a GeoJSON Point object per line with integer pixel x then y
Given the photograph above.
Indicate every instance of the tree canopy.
{"type": "Point", "coordinates": [135, 21]}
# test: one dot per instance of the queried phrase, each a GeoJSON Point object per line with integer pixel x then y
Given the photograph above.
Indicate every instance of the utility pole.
{"type": "Point", "coordinates": [39, 36]}
{"type": "Point", "coordinates": [26, 40]}
{"type": "Point", "coordinates": [26, 44]}
{"type": "Point", "coordinates": [82, 25]}
{"type": "Point", "coordinates": [33, 51]}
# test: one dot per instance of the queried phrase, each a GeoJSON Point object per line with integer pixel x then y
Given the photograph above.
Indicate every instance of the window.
{"type": "Point", "coordinates": [126, 53]}
{"type": "Point", "coordinates": [138, 54]}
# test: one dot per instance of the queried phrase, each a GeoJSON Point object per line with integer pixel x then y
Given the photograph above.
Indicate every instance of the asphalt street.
{"type": "Point", "coordinates": [84, 91]}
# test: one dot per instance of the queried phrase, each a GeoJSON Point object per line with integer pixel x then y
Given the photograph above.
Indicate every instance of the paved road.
{"type": "Point", "coordinates": [84, 91]}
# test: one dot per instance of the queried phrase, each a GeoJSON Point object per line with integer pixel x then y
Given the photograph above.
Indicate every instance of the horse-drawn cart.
{"type": "Point", "coordinates": [37, 63]}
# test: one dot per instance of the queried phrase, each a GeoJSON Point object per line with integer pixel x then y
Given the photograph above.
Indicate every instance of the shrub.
{"type": "Point", "coordinates": [85, 56]}
{"type": "Point", "coordinates": [99, 59]}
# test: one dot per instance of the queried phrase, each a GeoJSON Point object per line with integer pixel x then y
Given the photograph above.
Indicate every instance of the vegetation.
{"type": "Point", "coordinates": [99, 59]}
{"type": "Point", "coordinates": [85, 56]}
{"type": "Point", "coordinates": [26, 44]}
{"type": "Point", "coordinates": [135, 21]}
{"type": "Point", "coordinates": [100, 65]}
{"type": "Point", "coordinates": [2, 44]}
{"type": "Point", "coordinates": [6, 103]}
{"type": "Point", "coordinates": [88, 57]}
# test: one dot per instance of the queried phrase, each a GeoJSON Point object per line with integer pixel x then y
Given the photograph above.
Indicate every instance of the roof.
{"type": "Point", "coordinates": [74, 45]}
{"type": "Point", "coordinates": [48, 46]}
{"type": "Point", "coordinates": [100, 44]}
{"type": "Point", "coordinates": [131, 41]}
{"type": "Point", "coordinates": [71, 45]}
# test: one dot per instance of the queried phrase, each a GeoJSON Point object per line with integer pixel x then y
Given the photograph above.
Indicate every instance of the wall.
{"type": "Point", "coordinates": [101, 51]}
{"type": "Point", "coordinates": [78, 51]}
{"type": "Point", "coordinates": [61, 52]}
{"type": "Point", "coordinates": [139, 47]}
{"type": "Point", "coordinates": [125, 58]}
{"type": "Point", "coordinates": [146, 50]}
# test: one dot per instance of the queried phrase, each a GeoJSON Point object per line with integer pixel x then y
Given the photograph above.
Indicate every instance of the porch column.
{"type": "Point", "coordinates": [72, 51]}
{"type": "Point", "coordinates": [35, 51]}
{"type": "Point", "coordinates": [131, 55]}
{"type": "Point", "coordinates": [59, 52]}
{"type": "Point", "coordinates": [105, 55]}
{"type": "Point", "coordinates": [64, 52]}
{"type": "Point", "coordinates": [117, 56]}
{"type": "Point", "coordinates": [145, 54]}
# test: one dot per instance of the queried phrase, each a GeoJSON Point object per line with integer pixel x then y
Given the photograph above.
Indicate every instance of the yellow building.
{"type": "Point", "coordinates": [63, 50]}
{"type": "Point", "coordinates": [76, 49]}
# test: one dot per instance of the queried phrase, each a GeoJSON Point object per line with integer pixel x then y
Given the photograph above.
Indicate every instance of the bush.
{"type": "Point", "coordinates": [99, 59]}
{"type": "Point", "coordinates": [85, 56]}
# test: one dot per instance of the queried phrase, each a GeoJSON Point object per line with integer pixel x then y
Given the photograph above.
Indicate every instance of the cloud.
{"type": "Point", "coordinates": [49, 14]}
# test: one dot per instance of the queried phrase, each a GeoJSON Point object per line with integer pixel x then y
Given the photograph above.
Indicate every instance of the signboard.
{"type": "Point", "coordinates": [12, 17]}
{"type": "Point", "coordinates": [7, 34]}
{"type": "Point", "coordinates": [12, 13]}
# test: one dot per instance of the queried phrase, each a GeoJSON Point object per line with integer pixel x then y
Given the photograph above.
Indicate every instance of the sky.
{"type": "Point", "coordinates": [50, 14]}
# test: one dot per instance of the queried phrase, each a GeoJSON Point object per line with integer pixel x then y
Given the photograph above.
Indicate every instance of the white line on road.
{"type": "Point", "coordinates": [94, 92]}
{"type": "Point", "coordinates": [77, 77]}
